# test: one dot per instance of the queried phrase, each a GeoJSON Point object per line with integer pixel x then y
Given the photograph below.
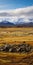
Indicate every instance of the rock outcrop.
{"type": "Point", "coordinates": [20, 48]}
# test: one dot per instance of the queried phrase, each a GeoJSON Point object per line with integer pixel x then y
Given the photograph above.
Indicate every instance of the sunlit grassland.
{"type": "Point", "coordinates": [16, 36]}
{"type": "Point", "coordinates": [10, 58]}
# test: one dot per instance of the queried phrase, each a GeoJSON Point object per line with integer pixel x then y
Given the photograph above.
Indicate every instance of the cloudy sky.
{"type": "Point", "coordinates": [15, 10]}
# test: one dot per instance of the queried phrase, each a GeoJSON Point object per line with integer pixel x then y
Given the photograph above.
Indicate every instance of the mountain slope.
{"type": "Point", "coordinates": [17, 24]}
{"type": "Point", "coordinates": [6, 23]}
{"type": "Point", "coordinates": [30, 24]}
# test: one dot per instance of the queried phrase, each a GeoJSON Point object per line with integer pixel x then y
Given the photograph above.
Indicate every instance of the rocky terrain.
{"type": "Point", "coordinates": [16, 54]}
{"type": "Point", "coordinates": [16, 48]}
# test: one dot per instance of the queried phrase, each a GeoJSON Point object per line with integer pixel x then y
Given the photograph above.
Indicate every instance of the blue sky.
{"type": "Point", "coordinates": [15, 10]}
{"type": "Point", "coordinates": [12, 4]}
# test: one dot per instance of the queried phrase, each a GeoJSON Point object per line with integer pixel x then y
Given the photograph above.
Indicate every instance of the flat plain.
{"type": "Point", "coordinates": [16, 36]}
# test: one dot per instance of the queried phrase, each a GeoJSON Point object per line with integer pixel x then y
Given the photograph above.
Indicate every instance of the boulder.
{"type": "Point", "coordinates": [14, 50]}
{"type": "Point", "coordinates": [6, 48]}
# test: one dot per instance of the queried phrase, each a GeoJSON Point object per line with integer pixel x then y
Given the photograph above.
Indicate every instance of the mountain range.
{"type": "Point", "coordinates": [6, 24]}
{"type": "Point", "coordinates": [17, 24]}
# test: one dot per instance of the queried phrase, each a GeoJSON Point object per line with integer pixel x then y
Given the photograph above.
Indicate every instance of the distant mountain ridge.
{"type": "Point", "coordinates": [29, 24]}
{"type": "Point", "coordinates": [6, 23]}
{"type": "Point", "coordinates": [17, 24]}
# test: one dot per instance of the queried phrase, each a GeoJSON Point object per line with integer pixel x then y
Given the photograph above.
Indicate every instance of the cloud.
{"type": "Point", "coordinates": [15, 14]}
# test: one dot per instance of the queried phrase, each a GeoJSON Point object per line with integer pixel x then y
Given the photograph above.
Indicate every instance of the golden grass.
{"type": "Point", "coordinates": [8, 58]}
{"type": "Point", "coordinates": [16, 36]}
